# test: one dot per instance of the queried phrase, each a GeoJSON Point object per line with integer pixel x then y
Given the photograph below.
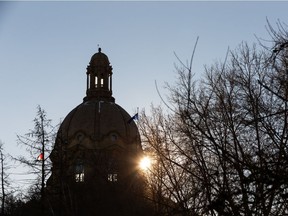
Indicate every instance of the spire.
{"type": "Point", "coordinates": [99, 78]}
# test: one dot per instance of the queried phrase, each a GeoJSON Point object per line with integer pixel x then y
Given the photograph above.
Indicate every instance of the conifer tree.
{"type": "Point", "coordinates": [38, 143]}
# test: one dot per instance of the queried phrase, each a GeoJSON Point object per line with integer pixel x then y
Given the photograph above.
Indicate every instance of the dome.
{"type": "Point", "coordinates": [96, 153]}
{"type": "Point", "coordinates": [100, 125]}
{"type": "Point", "coordinates": [99, 59]}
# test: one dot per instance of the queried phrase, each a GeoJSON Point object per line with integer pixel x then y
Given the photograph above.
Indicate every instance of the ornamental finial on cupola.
{"type": "Point", "coordinates": [99, 78]}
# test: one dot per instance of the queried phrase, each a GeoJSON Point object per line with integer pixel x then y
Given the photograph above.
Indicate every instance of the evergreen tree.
{"type": "Point", "coordinates": [38, 143]}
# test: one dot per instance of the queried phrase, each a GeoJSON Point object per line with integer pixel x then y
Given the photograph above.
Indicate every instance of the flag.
{"type": "Point", "coordinates": [135, 117]}
{"type": "Point", "coordinates": [40, 157]}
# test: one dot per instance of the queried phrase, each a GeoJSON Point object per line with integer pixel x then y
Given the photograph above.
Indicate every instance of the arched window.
{"type": "Point", "coordinates": [101, 82]}
{"type": "Point", "coordinates": [112, 177]}
{"type": "Point", "coordinates": [96, 81]}
{"type": "Point", "coordinates": [79, 171]}
{"type": "Point", "coordinates": [112, 170]}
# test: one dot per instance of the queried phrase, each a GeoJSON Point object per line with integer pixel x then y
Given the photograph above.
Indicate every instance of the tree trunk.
{"type": "Point", "coordinates": [2, 184]}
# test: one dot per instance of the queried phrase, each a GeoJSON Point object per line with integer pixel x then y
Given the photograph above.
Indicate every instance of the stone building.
{"type": "Point", "coordinates": [96, 154]}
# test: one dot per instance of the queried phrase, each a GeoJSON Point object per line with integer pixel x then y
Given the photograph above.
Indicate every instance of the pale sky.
{"type": "Point", "coordinates": [45, 48]}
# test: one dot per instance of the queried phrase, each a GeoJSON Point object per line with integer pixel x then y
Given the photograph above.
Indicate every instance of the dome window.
{"type": "Point", "coordinates": [114, 137]}
{"type": "Point", "coordinates": [80, 136]}
{"type": "Point", "coordinates": [112, 177]}
{"type": "Point", "coordinates": [79, 172]}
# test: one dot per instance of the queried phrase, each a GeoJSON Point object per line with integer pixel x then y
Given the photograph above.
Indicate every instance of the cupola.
{"type": "Point", "coordinates": [99, 78]}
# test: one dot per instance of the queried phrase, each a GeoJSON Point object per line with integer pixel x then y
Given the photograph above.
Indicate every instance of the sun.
{"type": "Point", "coordinates": [145, 163]}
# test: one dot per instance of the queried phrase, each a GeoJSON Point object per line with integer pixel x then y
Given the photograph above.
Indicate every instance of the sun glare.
{"type": "Point", "coordinates": [145, 163]}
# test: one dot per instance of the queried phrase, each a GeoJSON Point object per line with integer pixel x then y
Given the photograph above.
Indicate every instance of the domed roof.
{"type": "Point", "coordinates": [98, 124]}
{"type": "Point", "coordinates": [99, 59]}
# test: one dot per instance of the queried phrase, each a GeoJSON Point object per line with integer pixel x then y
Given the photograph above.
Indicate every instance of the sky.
{"type": "Point", "coordinates": [45, 47]}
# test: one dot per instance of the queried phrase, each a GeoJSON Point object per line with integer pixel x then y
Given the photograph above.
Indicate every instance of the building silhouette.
{"type": "Point", "coordinates": [96, 154]}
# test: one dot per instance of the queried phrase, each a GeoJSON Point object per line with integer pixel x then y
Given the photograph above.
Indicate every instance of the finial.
{"type": "Point", "coordinates": [99, 48]}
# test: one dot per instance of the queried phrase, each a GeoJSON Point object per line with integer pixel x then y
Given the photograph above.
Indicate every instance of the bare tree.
{"type": "Point", "coordinates": [223, 144]}
{"type": "Point", "coordinates": [2, 180]}
{"type": "Point", "coordinates": [6, 189]}
{"type": "Point", "coordinates": [38, 143]}
{"type": "Point", "coordinates": [278, 61]}
{"type": "Point", "coordinates": [171, 188]}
